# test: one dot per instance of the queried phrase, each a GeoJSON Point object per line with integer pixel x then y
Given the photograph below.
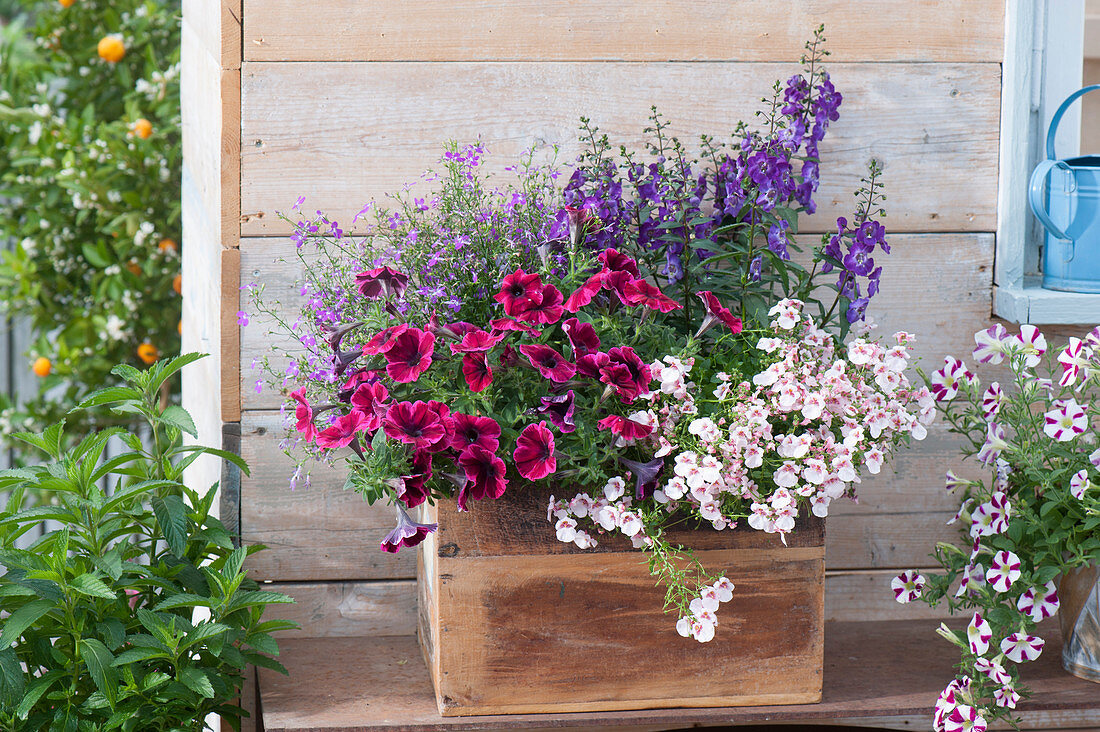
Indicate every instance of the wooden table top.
{"type": "Point", "coordinates": [875, 674]}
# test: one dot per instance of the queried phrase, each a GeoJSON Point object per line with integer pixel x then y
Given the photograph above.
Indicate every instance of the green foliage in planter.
{"type": "Point", "coordinates": [89, 196]}
{"type": "Point", "coordinates": [102, 611]}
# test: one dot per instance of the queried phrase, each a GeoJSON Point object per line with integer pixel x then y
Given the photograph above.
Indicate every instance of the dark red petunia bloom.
{"type": "Point", "coordinates": [627, 373]}
{"type": "Point", "coordinates": [416, 489]}
{"type": "Point", "coordinates": [370, 399]}
{"type": "Point", "coordinates": [546, 312]}
{"type": "Point", "coordinates": [445, 418]}
{"type": "Point", "coordinates": [590, 364]}
{"type": "Point", "coordinates": [406, 534]}
{"type": "Point", "coordinates": [624, 427]}
{"type": "Point", "coordinates": [477, 341]}
{"type": "Point", "coordinates": [473, 430]}
{"type": "Point", "coordinates": [616, 261]}
{"type": "Point", "coordinates": [478, 373]}
{"type": "Point", "coordinates": [414, 423]}
{"type": "Point", "coordinates": [384, 340]}
{"type": "Point", "coordinates": [580, 220]}
{"type": "Point", "coordinates": [585, 293]}
{"type": "Point", "coordinates": [645, 475]}
{"type": "Point", "coordinates": [559, 409]}
{"type": "Point", "coordinates": [381, 282]}
{"type": "Point", "coordinates": [357, 379]}
{"type": "Point", "coordinates": [508, 357]}
{"type": "Point", "coordinates": [551, 364]}
{"type": "Point", "coordinates": [335, 335]}
{"type": "Point", "coordinates": [717, 313]}
{"type": "Point", "coordinates": [519, 291]}
{"type": "Point", "coordinates": [342, 430]}
{"type": "Point", "coordinates": [304, 413]}
{"type": "Point", "coordinates": [534, 453]}
{"type": "Point", "coordinates": [582, 337]}
{"type": "Point", "coordinates": [640, 292]}
{"type": "Point", "coordinates": [484, 475]}
{"type": "Point", "coordinates": [461, 327]}
{"type": "Point", "coordinates": [507, 324]}
{"type": "Point", "coordinates": [410, 355]}
{"type": "Point", "coordinates": [621, 283]}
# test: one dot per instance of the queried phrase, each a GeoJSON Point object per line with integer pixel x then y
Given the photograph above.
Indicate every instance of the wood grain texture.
{"type": "Point", "coordinates": [944, 324]}
{"type": "Point", "coordinates": [217, 23]}
{"type": "Point", "coordinates": [646, 30]}
{"type": "Point", "coordinates": [342, 133]}
{"type": "Point", "coordinates": [884, 671]}
{"type": "Point", "coordinates": [517, 626]}
{"type": "Point", "coordinates": [230, 336]}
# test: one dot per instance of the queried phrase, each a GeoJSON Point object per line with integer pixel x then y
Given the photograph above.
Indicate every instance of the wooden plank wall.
{"type": "Point", "coordinates": [342, 100]}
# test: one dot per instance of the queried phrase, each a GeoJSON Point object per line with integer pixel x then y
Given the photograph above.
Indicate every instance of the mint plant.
{"type": "Point", "coordinates": [136, 613]}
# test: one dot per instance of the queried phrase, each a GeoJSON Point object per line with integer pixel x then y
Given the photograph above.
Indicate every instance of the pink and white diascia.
{"type": "Point", "coordinates": [797, 435]}
{"type": "Point", "coordinates": [1041, 423]}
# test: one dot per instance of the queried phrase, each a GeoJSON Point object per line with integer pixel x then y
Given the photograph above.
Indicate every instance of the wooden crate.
{"type": "Point", "coordinates": [512, 621]}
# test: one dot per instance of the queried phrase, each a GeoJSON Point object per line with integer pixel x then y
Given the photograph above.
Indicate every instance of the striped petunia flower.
{"type": "Point", "coordinates": [1006, 697]}
{"type": "Point", "coordinates": [1030, 344]}
{"type": "Point", "coordinates": [991, 344]}
{"type": "Point", "coordinates": [992, 400]}
{"type": "Point", "coordinates": [973, 577]}
{"type": "Point", "coordinates": [1075, 360]}
{"type": "Point", "coordinates": [1020, 647]}
{"type": "Point", "coordinates": [978, 634]}
{"type": "Point", "coordinates": [964, 718]}
{"type": "Point", "coordinates": [1003, 571]}
{"type": "Point", "coordinates": [907, 586]}
{"type": "Point", "coordinates": [994, 442]}
{"type": "Point", "coordinates": [1066, 421]}
{"type": "Point", "coordinates": [1039, 603]}
{"type": "Point", "coordinates": [946, 381]}
{"type": "Point", "coordinates": [1079, 483]}
{"type": "Point", "coordinates": [991, 517]}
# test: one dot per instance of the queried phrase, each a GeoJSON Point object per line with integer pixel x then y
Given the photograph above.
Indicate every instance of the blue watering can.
{"type": "Point", "coordinates": [1070, 211]}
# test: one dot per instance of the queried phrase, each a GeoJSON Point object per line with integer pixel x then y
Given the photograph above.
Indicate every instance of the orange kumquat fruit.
{"type": "Point", "coordinates": [42, 367]}
{"type": "Point", "coordinates": [111, 49]}
{"type": "Point", "coordinates": [147, 352]}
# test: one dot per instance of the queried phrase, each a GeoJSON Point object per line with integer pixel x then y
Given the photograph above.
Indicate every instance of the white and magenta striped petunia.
{"type": "Point", "coordinates": [1074, 360]}
{"type": "Point", "coordinates": [1029, 345]}
{"type": "Point", "coordinates": [1066, 421]}
{"type": "Point", "coordinates": [946, 381]}
{"type": "Point", "coordinates": [1093, 337]}
{"type": "Point", "coordinates": [949, 699]}
{"type": "Point", "coordinates": [973, 577]}
{"type": "Point", "coordinates": [994, 442]}
{"type": "Point", "coordinates": [1020, 647]}
{"type": "Point", "coordinates": [978, 634]}
{"type": "Point", "coordinates": [907, 586]}
{"type": "Point", "coordinates": [1080, 483]}
{"type": "Point", "coordinates": [952, 481]}
{"type": "Point", "coordinates": [1003, 571]}
{"type": "Point", "coordinates": [990, 344]}
{"type": "Point", "coordinates": [992, 400]}
{"type": "Point", "coordinates": [1039, 603]}
{"type": "Point", "coordinates": [993, 670]}
{"type": "Point", "coordinates": [964, 718]}
{"type": "Point", "coordinates": [1006, 697]}
{"type": "Point", "coordinates": [1094, 458]}
{"type": "Point", "coordinates": [991, 517]}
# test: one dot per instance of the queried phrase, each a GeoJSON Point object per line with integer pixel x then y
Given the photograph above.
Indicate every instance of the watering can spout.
{"type": "Point", "coordinates": [1064, 195]}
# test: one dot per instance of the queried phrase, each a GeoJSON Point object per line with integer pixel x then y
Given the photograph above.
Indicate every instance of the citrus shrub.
{"type": "Point", "coordinates": [89, 192]}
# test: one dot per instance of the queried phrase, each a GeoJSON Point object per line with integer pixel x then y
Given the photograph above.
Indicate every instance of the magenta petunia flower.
{"type": "Point", "coordinates": [551, 364]}
{"type": "Point", "coordinates": [1003, 571]}
{"type": "Point", "coordinates": [615, 261]}
{"type": "Point", "coordinates": [946, 381]}
{"type": "Point", "coordinates": [370, 399]}
{"type": "Point", "coordinates": [534, 453]}
{"type": "Point", "coordinates": [410, 355]}
{"type": "Point", "coordinates": [477, 341]}
{"type": "Point", "coordinates": [384, 340]}
{"type": "Point", "coordinates": [381, 282]}
{"type": "Point", "coordinates": [626, 373]}
{"type": "Point", "coordinates": [908, 586]}
{"type": "Point", "coordinates": [978, 634]}
{"type": "Point", "coordinates": [990, 344]}
{"type": "Point", "coordinates": [476, 370]}
{"type": "Point", "coordinates": [337, 334]}
{"type": "Point", "coordinates": [559, 408]}
{"type": "Point", "coordinates": [992, 400]}
{"type": "Point", "coordinates": [640, 292]}
{"type": "Point", "coordinates": [342, 431]}
{"type": "Point", "coordinates": [717, 313]}
{"type": "Point", "coordinates": [1020, 647]}
{"type": "Point", "coordinates": [590, 364]}
{"type": "Point", "coordinates": [585, 293]}
{"type": "Point", "coordinates": [304, 413]}
{"type": "Point", "coordinates": [414, 423]}
{"type": "Point", "coordinates": [624, 427]}
{"type": "Point", "coordinates": [415, 485]}
{"type": "Point", "coordinates": [473, 430]}
{"type": "Point", "coordinates": [1066, 421]}
{"type": "Point", "coordinates": [645, 475]}
{"type": "Point", "coordinates": [622, 284]}
{"type": "Point", "coordinates": [519, 291]}
{"type": "Point", "coordinates": [507, 324]}
{"type": "Point", "coordinates": [582, 337]}
{"type": "Point", "coordinates": [406, 534]}
{"type": "Point", "coordinates": [1039, 603]}
{"type": "Point", "coordinates": [546, 312]}
{"type": "Point", "coordinates": [444, 413]}
{"type": "Point", "coordinates": [1075, 360]}
{"type": "Point", "coordinates": [485, 475]}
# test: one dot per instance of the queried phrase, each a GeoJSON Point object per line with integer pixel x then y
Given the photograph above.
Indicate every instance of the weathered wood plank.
{"type": "Point", "coordinates": [944, 323]}
{"type": "Point", "coordinates": [873, 671]}
{"type": "Point", "coordinates": [388, 607]}
{"type": "Point", "coordinates": [217, 23]}
{"type": "Point", "coordinates": [339, 133]}
{"type": "Point", "coordinates": [230, 335]}
{"type": "Point", "coordinates": [646, 30]}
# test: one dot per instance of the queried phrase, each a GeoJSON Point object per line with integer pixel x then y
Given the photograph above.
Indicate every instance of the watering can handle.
{"type": "Point", "coordinates": [1035, 195]}
{"type": "Point", "coordinates": [1061, 111]}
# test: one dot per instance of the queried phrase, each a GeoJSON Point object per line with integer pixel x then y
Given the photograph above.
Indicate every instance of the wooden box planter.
{"type": "Point", "coordinates": [512, 621]}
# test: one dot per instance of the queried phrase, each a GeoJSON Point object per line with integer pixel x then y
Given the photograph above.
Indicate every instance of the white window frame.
{"type": "Point", "coordinates": [1044, 44]}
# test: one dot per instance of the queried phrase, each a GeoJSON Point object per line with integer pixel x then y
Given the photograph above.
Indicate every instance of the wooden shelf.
{"type": "Point", "coordinates": [877, 674]}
